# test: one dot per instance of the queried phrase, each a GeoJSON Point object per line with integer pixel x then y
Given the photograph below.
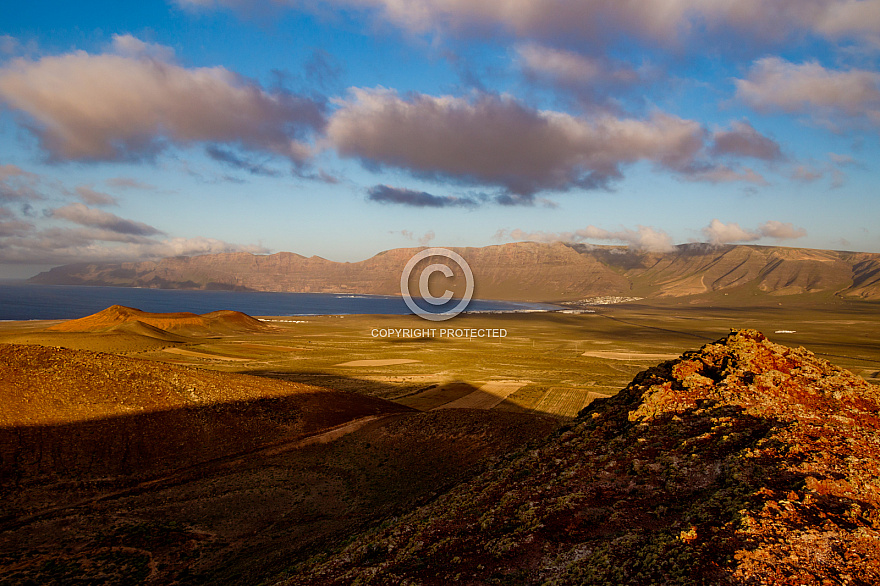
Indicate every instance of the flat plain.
{"type": "Point", "coordinates": [268, 497]}
{"type": "Point", "coordinates": [545, 355]}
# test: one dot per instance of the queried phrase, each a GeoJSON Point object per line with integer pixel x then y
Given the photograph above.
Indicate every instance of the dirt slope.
{"type": "Point", "coordinates": [70, 412]}
{"type": "Point", "coordinates": [160, 324]}
{"type": "Point", "coordinates": [743, 463]}
{"type": "Point", "coordinates": [121, 471]}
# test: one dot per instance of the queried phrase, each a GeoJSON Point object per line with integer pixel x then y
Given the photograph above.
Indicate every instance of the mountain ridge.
{"type": "Point", "coordinates": [522, 271]}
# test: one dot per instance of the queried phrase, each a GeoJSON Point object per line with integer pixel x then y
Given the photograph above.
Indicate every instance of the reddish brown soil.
{"type": "Point", "coordinates": [745, 462]}
{"type": "Point", "coordinates": [179, 322]}
{"type": "Point", "coordinates": [71, 412]}
{"type": "Point", "coordinates": [121, 471]}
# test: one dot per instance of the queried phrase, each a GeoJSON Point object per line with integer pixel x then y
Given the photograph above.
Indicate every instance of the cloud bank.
{"type": "Point", "coordinates": [60, 246]}
{"type": "Point", "coordinates": [667, 22]}
{"type": "Point", "coordinates": [98, 236]}
{"type": "Point", "coordinates": [651, 239]}
{"type": "Point", "coordinates": [78, 233]}
{"type": "Point", "coordinates": [497, 141]}
{"type": "Point", "coordinates": [643, 238]}
{"type": "Point", "coordinates": [776, 85]}
{"type": "Point", "coordinates": [86, 216]}
{"type": "Point", "coordinates": [717, 232]}
{"type": "Point", "coordinates": [130, 104]}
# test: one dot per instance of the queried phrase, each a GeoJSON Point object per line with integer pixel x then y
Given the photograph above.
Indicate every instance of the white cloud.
{"type": "Point", "coordinates": [662, 21]}
{"type": "Point", "coordinates": [644, 238]}
{"type": "Point", "coordinates": [807, 174]}
{"type": "Point", "coordinates": [497, 141]}
{"type": "Point", "coordinates": [743, 140]}
{"type": "Point", "coordinates": [780, 230]}
{"type": "Point", "coordinates": [8, 45]}
{"type": "Point", "coordinates": [717, 232]}
{"type": "Point", "coordinates": [112, 106]}
{"type": "Point", "coordinates": [133, 47]}
{"type": "Point", "coordinates": [18, 184]}
{"type": "Point", "coordinates": [569, 68]}
{"type": "Point", "coordinates": [129, 183]}
{"type": "Point", "coordinates": [94, 197]}
{"type": "Point", "coordinates": [717, 173]}
{"type": "Point", "coordinates": [843, 160]}
{"type": "Point", "coordinates": [423, 240]}
{"type": "Point", "coordinates": [774, 84]}
{"type": "Point", "coordinates": [86, 216]}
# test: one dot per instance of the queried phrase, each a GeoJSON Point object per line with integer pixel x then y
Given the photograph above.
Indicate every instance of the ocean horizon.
{"type": "Point", "coordinates": [20, 300]}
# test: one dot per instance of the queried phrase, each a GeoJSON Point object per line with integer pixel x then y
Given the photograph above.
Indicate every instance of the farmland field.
{"type": "Point", "coordinates": [547, 363]}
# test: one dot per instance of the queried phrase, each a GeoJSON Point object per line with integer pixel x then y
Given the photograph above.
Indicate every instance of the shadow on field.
{"type": "Point", "coordinates": [153, 443]}
{"type": "Point", "coordinates": [224, 494]}
{"type": "Point", "coordinates": [371, 387]}
{"type": "Point", "coordinates": [428, 396]}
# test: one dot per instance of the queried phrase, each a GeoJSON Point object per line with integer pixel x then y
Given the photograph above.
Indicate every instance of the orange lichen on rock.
{"type": "Point", "coordinates": [745, 462]}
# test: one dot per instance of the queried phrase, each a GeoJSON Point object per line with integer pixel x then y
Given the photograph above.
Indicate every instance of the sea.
{"type": "Point", "coordinates": [20, 300]}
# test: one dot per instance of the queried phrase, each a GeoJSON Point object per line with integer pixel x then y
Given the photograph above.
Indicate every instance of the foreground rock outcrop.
{"type": "Point", "coordinates": [745, 462]}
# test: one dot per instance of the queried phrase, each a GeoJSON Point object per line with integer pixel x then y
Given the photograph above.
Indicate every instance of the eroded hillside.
{"type": "Point", "coordinates": [522, 271]}
{"type": "Point", "coordinates": [77, 413]}
{"type": "Point", "coordinates": [745, 462]}
{"type": "Point", "coordinates": [115, 470]}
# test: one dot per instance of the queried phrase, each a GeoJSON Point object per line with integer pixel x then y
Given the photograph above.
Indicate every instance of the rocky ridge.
{"type": "Point", "coordinates": [745, 462]}
{"type": "Point", "coordinates": [522, 271]}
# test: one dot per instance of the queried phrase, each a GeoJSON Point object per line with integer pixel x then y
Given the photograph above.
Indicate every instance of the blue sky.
{"type": "Point", "coordinates": [342, 128]}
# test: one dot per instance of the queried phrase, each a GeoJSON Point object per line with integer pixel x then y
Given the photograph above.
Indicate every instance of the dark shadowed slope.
{"type": "Point", "coordinates": [138, 417]}
{"type": "Point", "coordinates": [122, 471]}
{"type": "Point", "coordinates": [743, 463]}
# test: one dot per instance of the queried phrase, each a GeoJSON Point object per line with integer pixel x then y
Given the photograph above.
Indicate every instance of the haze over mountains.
{"type": "Point", "coordinates": [524, 271]}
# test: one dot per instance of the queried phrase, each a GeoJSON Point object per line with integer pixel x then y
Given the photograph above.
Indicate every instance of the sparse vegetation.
{"type": "Point", "coordinates": [672, 481]}
{"type": "Point", "coordinates": [205, 478]}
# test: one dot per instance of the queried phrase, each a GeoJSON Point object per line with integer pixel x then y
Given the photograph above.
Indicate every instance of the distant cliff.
{"type": "Point", "coordinates": [524, 271]}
